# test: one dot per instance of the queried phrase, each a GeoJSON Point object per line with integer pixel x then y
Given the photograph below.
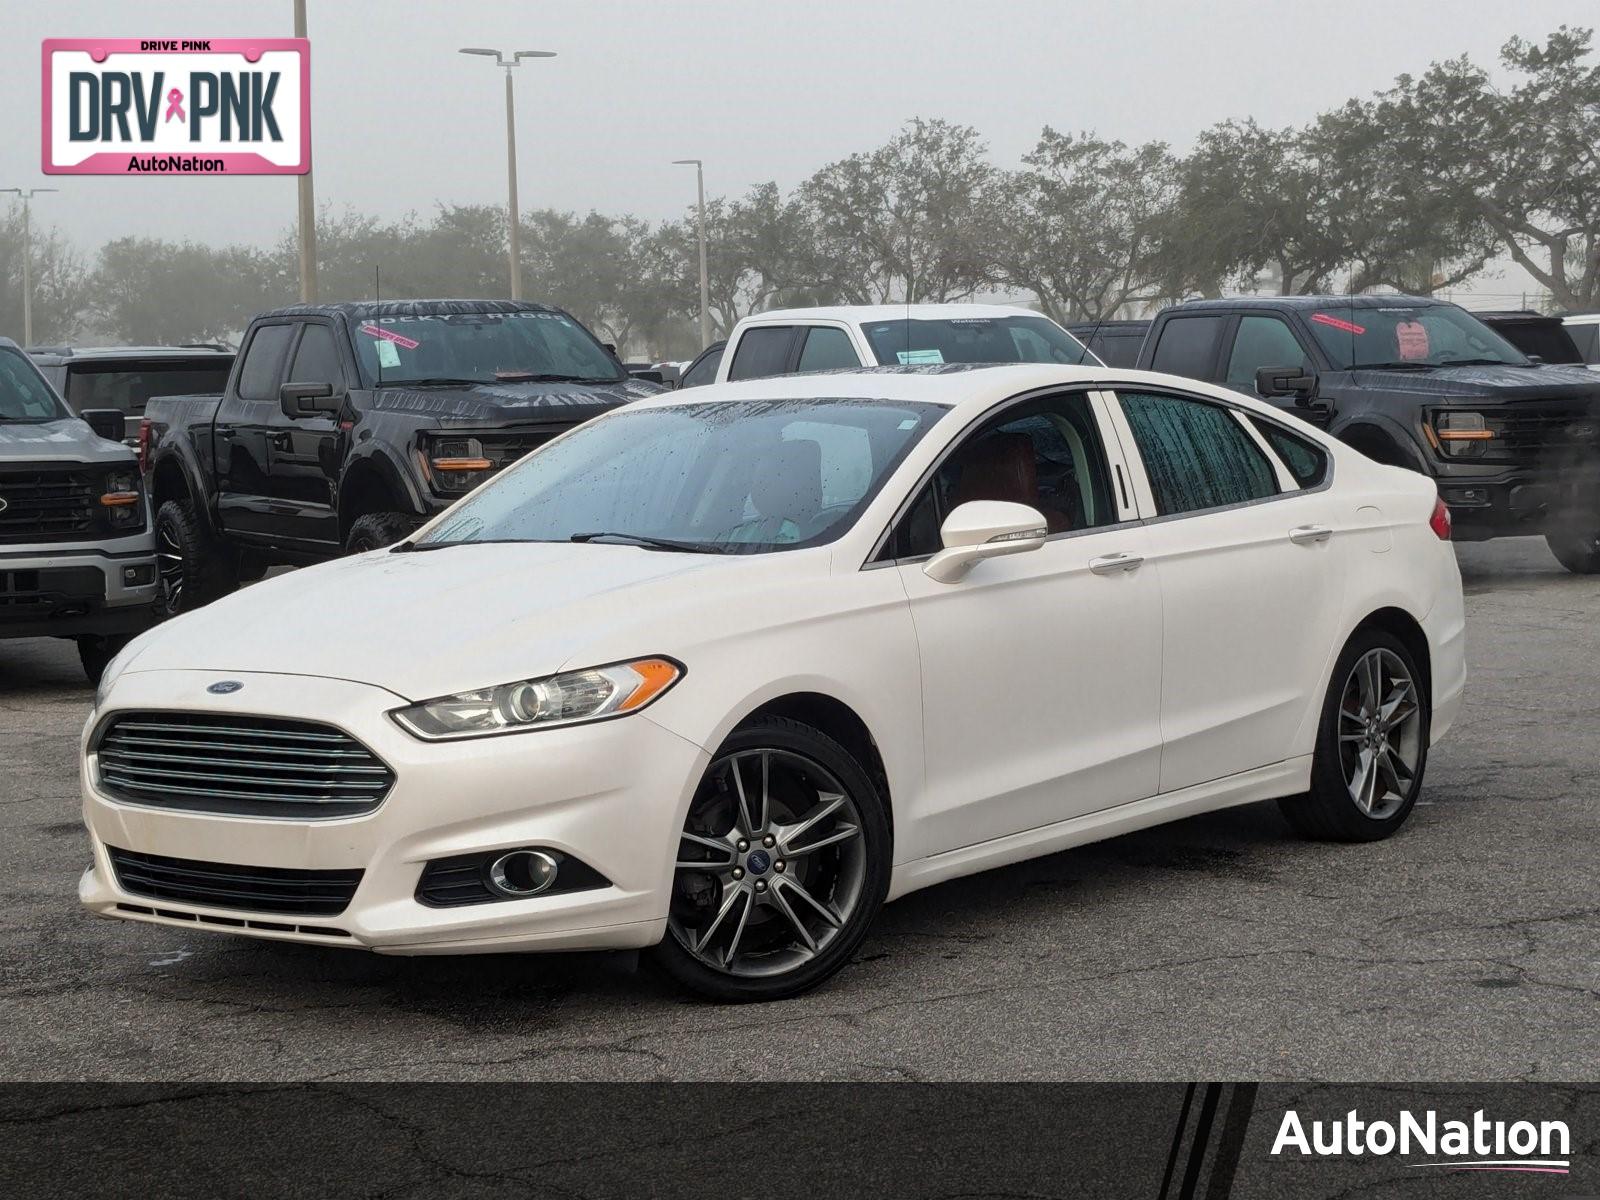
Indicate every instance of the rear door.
{"type": "Point", "coordinates": [1251, 593]}
{"type": "Point", "coordinates": [305, 452]}
{"type": "Point", "coordinates": [1190, 345]}
{"type": "Point", "coordinates": [246, 420]}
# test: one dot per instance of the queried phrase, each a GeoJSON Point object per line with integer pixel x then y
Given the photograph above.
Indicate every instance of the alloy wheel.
{"type": "Point", "coordinates": [771, 866]}
{"type": "Point", "coordinates": [1380, 733]}
{"type": "Point", "coordinates": [169, 567]}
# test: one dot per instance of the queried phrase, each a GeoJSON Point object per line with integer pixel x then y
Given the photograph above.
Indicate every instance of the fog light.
{"type": "Point", "coordinates": [1467, 497]}
{"type": "Point", "coordinates": [522, 873]}
{"type": "Point", "coordinates": [140, 576]}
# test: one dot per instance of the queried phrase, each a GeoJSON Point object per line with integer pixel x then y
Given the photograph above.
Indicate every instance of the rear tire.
{"type": "Point", "coordinates": [1577, 552]}
{"type": "Point", "coordinates": [95, 652]}
{"type": "Point", "coordinates": [192, 567]}
{"type": "Point", "coordinates": [795, 849]}
{"type": "Point", "coordinates": [377, 530]}
{"type": "Point", "coordinates": [1372, 745]}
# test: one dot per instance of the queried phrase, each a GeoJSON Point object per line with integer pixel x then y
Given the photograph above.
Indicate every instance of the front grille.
{"type": "Point", "coordinates": [230, 885]}
{"type": "Point", "coordinates": [48, 504]}
{"type": "Point", "coordinates": [239, 766]}
{"type": "Point", "coordinates": [1541, 431]}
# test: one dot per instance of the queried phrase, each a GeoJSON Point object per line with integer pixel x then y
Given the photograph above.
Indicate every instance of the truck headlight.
{"type": "Point", "coordinates": [122, 499]}
{"type": "Point", "coordinates": [570, 698]}
{"type": "Point", "coordinates": [1463, 434]}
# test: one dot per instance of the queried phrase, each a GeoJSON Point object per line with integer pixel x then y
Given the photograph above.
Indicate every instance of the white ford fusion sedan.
{"type": "Point", "coordinates": [720, 673]}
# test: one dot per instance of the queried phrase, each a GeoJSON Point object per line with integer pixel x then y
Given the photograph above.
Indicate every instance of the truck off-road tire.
{"type": "Point", "coordinates": [1372, 744]}
{"type": "Point", "coordinates": [781, 865]}
{"type": "Point", "coordinates": [95, 652]}
{"type": "Point", "coordinates": [377, 530]}
{"type": "Point", "coordinates": [192, 567]}
{"type": "Point", "coordinates": [1577, 552]}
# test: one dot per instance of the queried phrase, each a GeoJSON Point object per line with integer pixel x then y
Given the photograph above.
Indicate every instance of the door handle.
{"type": "Point", "coordinates": [1305, 535]}
{"type": "Point", "coordinates": [1111, 564]}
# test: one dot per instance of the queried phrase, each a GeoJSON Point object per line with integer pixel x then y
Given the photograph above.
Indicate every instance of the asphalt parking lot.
{"type": "Point", "coordinates": [1466, 948]}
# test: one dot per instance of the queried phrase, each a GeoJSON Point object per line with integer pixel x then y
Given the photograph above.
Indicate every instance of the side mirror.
{"type": "Point", "coordinates": [1287, 381]}
{"type": "Point", "coordinates": [308, 400]}
{"type": "Point", "coordinates": [109, 423]}
{"type": "Point", "coordinates": [981, 529]}
{"type": "Point", "coordinates": [649, 375]}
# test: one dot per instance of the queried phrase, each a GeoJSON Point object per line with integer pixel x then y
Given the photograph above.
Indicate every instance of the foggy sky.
{"type": "Point", "coordinates": [761, 90]}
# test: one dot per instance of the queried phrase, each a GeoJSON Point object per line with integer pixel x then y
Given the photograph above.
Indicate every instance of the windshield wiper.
{"type": "Point", "coordinates": [651, 543]}
{"type": "Point", "coordinates": [409, 547]}
{"type": "Point", "coordinates": [548, 377]}
{"type": "Point", "coordinates": [1478, 362]}
{"type": "Point", "coordinates": [1411, 365]}
{"type": "Point", "coordinates": [430, 381]}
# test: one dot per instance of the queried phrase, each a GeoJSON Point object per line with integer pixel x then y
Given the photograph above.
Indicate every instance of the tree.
{"type": "Point", "coordinates": [60, 283]}
{"type": "Point", "coordinates": [1082, 226]}
{"type": "Point", "coordinates": [902, 222]}
{"type": "Point", "coordinates": [152, 291]}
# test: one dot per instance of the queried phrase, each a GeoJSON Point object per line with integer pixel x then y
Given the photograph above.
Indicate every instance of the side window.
{"type": "Point", "coordinates": [1188, 346]}
{"type": "Point", "coordinates": [762, 351]}
{"type": "Point", "coordinates": [1307, 461]}
{"type": "Point", "coordinates": [827, 348]}
{"type": "Point", "coordinates": [1196, 454]}
{"type": "Point", "coordinates": [704, 369]}
{"type": "Point", "coordinates": [1587, 339]}
{"type": "Point", "coordinates": [258, 375]}
{"type": "Point", "coordinates": [1262, 342]}
{"type": "Point", "coordinates": [1045, 454]}
{"type": "Point", "coordinates": [316, 358]}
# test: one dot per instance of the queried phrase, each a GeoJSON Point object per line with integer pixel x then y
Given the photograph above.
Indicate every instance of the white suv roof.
{"type": "Point", "coordinates": [888, 312]}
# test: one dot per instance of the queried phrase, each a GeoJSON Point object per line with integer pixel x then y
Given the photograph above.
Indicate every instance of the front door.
{"type": "Point", "coordinates": [1041, 672]}
{"type": "Point", "coordinates": [246, 420]}
{"type": "Point", "coordinates": [306, 451]}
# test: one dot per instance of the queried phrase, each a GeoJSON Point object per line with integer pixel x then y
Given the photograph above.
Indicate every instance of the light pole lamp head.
{"type": "Point", "coordinates": [686, 162]}
{"type": "Point", "coordinates": [516, 55]}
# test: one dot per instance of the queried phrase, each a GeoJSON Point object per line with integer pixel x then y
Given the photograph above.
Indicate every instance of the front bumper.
{"type": "Point", "coordinates": [1498, 501]}
{"type": "Point", "coordinates": [613, 794]}
{"type": "Point", "coordinates": [69, 590]}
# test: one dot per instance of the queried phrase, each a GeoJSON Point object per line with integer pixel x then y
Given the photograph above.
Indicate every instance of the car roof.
{"type": "Point", "coordinates": [890, 312]}
{"type": "Point", "coordinates": [69, 353]}
{"type": "Point", "coordinates": [1386, 300]}
{"type": "Point", "coordinates": [951, 385]}
{"type": "Point", "coordinates": [1524, 316]}
{"type": "Point", "coordinates": [362, 310]}
{"type": "Point", "coordinates": [1581, 318]}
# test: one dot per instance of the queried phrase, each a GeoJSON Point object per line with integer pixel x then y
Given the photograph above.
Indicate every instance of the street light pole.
{"type": "Point", "coordinates": [705, 278]}
{"type": "Point", "coordinates": [308, 201]}
{"type": "Point", "coordinates": [515, 238]}
{"type": "Point", "coordinates": [27, 196]}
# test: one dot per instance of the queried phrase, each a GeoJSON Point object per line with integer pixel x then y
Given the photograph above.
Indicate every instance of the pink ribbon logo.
{"type": "Point", "coordinates": [175, 105]}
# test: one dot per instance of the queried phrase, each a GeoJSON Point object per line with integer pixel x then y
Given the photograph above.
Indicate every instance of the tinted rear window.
{"type": "Point", "coordinates": [129, 386]}
{"type": "Point", "coordinates": [1188, 346]}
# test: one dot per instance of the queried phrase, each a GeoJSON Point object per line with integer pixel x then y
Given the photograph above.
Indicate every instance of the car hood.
{"type": "Point", "coordinates": [436, 622]}
{"type": "Point", "coordinates": [1484, 383]}
{"type": "Point", "coordinates": [66, 440]}
{"type": "Point", "coordinates": [512, 403]}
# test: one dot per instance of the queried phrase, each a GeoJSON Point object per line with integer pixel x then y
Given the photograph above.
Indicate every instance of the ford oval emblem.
{"type": "Point", "coordinates": [225, 688]}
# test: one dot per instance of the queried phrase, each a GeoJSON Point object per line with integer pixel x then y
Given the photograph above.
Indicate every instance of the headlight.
{"type": "Point", "coordinates": [122, 500]}
{"type": "Point", "coordinates": [1463, 434]}
{"type": "Point", "coordinates": [566, 699]}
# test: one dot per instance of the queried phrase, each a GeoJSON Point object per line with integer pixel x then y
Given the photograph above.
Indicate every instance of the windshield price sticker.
{"type": "Point", "coordinates": [209, 106]}
{"type": "Point", "coordinates": [914, 358]}
{"type": "Point", "coordinates": [389, 335]}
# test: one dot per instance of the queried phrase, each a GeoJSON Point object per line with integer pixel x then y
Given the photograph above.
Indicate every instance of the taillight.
{"type": "Point", "coordinates": [144, 444]}
{"type": "Point", "coordinates": [1440, 521]}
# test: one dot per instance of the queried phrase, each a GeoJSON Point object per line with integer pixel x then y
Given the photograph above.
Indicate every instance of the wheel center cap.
{"type": "Point", "coordinates": [758, 863]}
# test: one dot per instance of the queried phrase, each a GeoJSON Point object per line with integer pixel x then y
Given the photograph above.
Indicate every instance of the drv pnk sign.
{"type": "Point", "coordinates": [209, 106]}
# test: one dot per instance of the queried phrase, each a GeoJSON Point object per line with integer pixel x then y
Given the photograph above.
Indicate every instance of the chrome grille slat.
{"type": "Point", "coordinates": [238, 765]}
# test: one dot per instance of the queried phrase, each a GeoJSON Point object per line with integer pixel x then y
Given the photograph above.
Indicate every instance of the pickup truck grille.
{"type": "Point", "coordinates": [239, 766]}
{"type": "Point", "coordinates": [1548, 432]}
{"type": "Point", "coordinates": [49, 504]}
{"type": "Point", "coordinates": [227, 885]}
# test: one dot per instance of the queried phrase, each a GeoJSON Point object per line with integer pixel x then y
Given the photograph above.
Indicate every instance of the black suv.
{"type": "Point", "coordinates": [1513, 444]}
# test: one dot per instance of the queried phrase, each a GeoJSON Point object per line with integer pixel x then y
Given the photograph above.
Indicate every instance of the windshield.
{"type": "Point", "coordinates": [733, 477]}
{"type": "Point", "coordinates": [25, 398]}
{"type": "Point", "coordinates": [1409, 335]}
{"type": "Point", "coordinates": [973, 340]}
{"type": "Point", "coordinates": [498, 347]}
{"type": "Point", "coordinates": [130, 386]}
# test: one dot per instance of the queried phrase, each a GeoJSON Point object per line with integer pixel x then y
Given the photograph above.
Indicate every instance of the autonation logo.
{"type": "Point", "coordinates": [1476, 1145]}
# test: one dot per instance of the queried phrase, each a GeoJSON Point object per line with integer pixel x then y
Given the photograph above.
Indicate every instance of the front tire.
{"type": "Point", "coordinates": [95, 652]}
{"type": "Point", "coordinates": [1577, 552]}
{"type": "Point", "coordinates": [377, 530]}
{"type": "Point", "coordinates": [1372, 744]}
{"type": "Point", "coordinates": [781, 866]}
{"type": "Point", "coordinates": [193, 568]}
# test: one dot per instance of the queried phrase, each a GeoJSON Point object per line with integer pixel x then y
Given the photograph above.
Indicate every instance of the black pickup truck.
{"type": "Point", "coordinates": [1513, 444]}
{"type": "Point", "coordinates": [344, 426]}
